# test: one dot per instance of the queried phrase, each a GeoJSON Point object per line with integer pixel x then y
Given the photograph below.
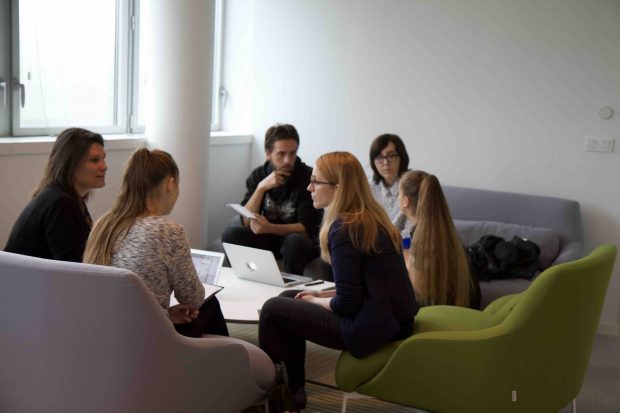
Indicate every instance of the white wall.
{"type": "Point", "coordinates": [486, 93]}
{"type": "Point", "coordinates": [229, 167]}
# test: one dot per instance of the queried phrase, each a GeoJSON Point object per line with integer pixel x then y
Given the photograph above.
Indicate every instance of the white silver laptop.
{"type": "Point", "coordinates": [259, 265]}
{"type": "Point", "coordinates": [208, 265]}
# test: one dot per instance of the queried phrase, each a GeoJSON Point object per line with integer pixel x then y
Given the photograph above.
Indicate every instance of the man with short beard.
{"type": "Point", "coordinates": [286, 223]}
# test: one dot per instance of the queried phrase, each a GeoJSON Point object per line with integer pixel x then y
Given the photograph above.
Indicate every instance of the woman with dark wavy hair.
{"type": "Point", "coordinates": [55, 224]}
{"type": "Point", "coordinates": [389, 160]}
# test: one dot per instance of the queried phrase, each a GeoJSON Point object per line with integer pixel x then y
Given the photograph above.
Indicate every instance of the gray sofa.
{"type": "Point", "coordinates": [553, 223]}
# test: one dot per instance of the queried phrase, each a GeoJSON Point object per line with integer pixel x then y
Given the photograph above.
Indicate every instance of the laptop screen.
{"type": "Point", "coordinates": [208, 265]}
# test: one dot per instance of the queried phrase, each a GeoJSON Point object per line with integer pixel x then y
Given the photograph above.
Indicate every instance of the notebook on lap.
{"type": "Point", "coordinates": [260, 265]}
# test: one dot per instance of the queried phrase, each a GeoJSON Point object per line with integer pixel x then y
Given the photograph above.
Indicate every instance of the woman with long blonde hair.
{"type": "Point", "coordinates": [137, 235]}
{"type": "Point", "coordinates": [373, 302]}
{"type": "Point", "coordinates": [437, 264]}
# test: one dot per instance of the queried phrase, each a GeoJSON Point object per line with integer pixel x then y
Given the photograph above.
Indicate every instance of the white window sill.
{"type": "Point", "coordinates": [230, 138]}
{"type": "Point", "coordinates": [43, 144]}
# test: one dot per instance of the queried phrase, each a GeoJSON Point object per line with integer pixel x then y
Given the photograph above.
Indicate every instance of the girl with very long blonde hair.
{"type": "Point", "coordinates": [437, 264]}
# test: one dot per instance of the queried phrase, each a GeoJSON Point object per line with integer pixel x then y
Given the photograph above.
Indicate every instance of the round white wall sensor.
{"type": "Point", "coordinates": [605, 112]}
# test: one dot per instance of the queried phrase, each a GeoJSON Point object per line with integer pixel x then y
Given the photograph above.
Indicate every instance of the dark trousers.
{"type": "Point", "coordinates": [294, 249]}
{"type": "Point", "coordinates": [210, 320]}
{"type": "Point", "coordinates": [286, 324]}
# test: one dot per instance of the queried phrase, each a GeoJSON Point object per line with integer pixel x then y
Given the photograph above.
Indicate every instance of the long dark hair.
{"type": "Point", "coordinates": [379, 144]}
{"type": "Point", "coordinates": [69, 149]}
{"type": "Point", "coordinates": [145, 171]}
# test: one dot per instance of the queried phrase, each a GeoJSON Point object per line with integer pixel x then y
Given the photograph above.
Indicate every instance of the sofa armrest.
{"type": "Point", "coordinates": [570, 252]}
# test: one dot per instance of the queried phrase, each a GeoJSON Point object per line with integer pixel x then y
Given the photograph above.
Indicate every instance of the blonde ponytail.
{"type": "Point", "coordinates": [440, 266]}
{"type": "Point", "coordinates": [144, 172]}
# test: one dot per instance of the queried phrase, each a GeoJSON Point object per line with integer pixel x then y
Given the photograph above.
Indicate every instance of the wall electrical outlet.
{"type": "Point", "coordinates": [598, 144]}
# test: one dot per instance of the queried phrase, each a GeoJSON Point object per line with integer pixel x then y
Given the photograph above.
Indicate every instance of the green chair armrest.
{"type": "Point", "coordinates": [499, 303]}
{"type": "Point", "coordinates": [450, 318]}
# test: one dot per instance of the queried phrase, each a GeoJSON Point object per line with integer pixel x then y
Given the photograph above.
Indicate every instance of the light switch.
{"type": "Point", "coordinates": [598, 144]}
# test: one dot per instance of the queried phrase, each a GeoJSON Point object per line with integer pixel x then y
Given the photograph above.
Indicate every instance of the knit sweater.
{"type": "Point", "coordinates": [157, 250]}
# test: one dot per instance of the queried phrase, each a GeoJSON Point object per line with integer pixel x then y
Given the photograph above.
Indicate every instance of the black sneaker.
{"type": "Point", "coordinates": [301, 399]}
{"type": "Point", "coordinates": [281, 375]}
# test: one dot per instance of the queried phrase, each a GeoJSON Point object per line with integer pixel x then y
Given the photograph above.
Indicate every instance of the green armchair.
{"type": "Point", "coordinates": [525, 352]}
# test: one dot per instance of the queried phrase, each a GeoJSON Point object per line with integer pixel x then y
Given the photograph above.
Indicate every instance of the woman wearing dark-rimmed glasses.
{"type": "Point", "coordinates": [389, 160]}
{"type": "Point", "coordinates": [373, 302]}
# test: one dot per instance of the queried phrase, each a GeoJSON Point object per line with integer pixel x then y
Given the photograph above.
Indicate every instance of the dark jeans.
{"type": "Point", "coordinates": [210, 320]}
{"type": "Point", "coordinates": [294, 249]}
{"type": "Point", "coordinates": [286, 324]}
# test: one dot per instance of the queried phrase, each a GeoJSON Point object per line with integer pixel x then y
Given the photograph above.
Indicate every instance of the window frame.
{"type": "Point", "coordinates": [134, 63]}
{"type": "Point", "coordinates": [6, 74]}
{"type": "Point", "coordinates": [218, 91]}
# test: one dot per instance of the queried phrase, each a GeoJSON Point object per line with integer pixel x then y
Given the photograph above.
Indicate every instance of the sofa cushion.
{"type": "Point", "coordinates": [546, 238]}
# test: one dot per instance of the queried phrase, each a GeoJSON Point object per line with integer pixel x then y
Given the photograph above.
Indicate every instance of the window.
{"type": "Point", "coordinates": [76, 63]}
{"type": "Point", "coordinates": [70, 67]}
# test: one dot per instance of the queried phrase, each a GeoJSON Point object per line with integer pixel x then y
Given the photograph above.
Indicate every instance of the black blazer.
{"type": "Point", "coordinates": [374, 295]}
{"type": "Point", "coordinates": [54, 225]}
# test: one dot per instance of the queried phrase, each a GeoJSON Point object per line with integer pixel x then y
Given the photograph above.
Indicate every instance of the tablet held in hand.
{"type": "Point", "coordinates": [241, 210]}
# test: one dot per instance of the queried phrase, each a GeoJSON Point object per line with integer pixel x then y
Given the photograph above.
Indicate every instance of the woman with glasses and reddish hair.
{"type": "Point", "coordinates": [389, 160]}
{"type": "Point", "coordinates": [373, 302]}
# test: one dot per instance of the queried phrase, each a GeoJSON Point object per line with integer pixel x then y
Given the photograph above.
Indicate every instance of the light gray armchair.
{"type": "Point", "coordinates": [87, 338]}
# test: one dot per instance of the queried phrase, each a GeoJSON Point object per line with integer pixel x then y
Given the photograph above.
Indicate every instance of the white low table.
{"type": "Point", "coordinates": [241, 299]}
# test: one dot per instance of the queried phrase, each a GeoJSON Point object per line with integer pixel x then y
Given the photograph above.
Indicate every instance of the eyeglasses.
{"type": "Point", "coordinates": [389, 158]}
{"type": "Point", "coordinates": [314, 182]}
